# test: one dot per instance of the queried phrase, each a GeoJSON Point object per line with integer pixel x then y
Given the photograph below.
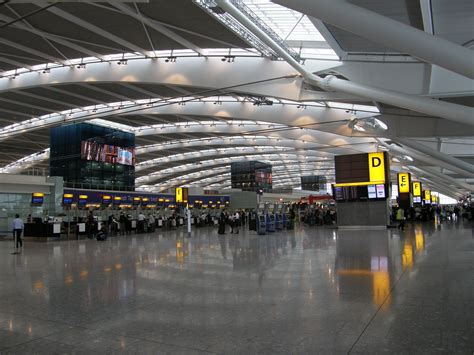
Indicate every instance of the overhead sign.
{"type": "Point", "coordinates": [427, 196]}
{"type": "Point", "coordinates": [37, 198]}
{"type": "Point", "coordinates": [403, 183]}
{"type": "Point", "coordinates": [106, 199]}
{"type": "Point", "coordinates": [416, 188]}
{"type": "Point", "coordinates": [377, 167]}
{"type": "Point", "coordinates": [181, 194]}
{"type": "Point", "coordinates": [67, 199]}
{"type": "Point", "coordinates": [361, 169]}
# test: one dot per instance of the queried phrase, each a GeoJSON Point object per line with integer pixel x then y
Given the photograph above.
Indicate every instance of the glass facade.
{"type": "Point", "coordinates": [12, 203]}
{"type": "Point", "coordinates": [66, 160]}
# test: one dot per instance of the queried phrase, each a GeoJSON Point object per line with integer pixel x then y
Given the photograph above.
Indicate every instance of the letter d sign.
{"type": "Point", "coordinates": [377, 167]}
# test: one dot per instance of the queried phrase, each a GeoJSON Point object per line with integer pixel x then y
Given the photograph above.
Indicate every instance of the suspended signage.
{"type": "Point", "coordinates": [377, 167]}
{"type": "Point", "coordinates": [117, 200]}
{"type": "Point", "coordinates": [106, 199]}
{"type": "Point", "coordinates": [427, 196]}
{"type": "Point", "coordinates": [416, 188]}
{"type": "Point", "coordinates": [82, 200]}
{"type": "Point", "coordinates": [67, 199]}
{"type": "Point", "coordinates": [37, 198]}
{"type": "Point", "coordinates": [137, 200]}
{"type": "Point", "coordinates": [403, 183]}
{"type": "Point", "coordinates": [145, 201]}
{"type": "Point", "coordinates": [181, 194]}
{"type": "Point", "coordinates": [361, 169]}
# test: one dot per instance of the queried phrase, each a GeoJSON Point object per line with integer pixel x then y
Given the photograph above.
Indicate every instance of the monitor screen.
{"type": "Point", "coordinates": [380, 191]}
{"type": "Point", "coordinates": [107, 153]}
{"type": "Point", "coordinates": [371, 191]}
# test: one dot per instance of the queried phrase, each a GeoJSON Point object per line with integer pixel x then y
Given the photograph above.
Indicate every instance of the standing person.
{"type": "Point", "coordinates": [151, 223]}
{"type": "Point", "coordinates": [90, 225]}
{"type": "Point", "coordinates": [236, 222]}
{"type": "Point", "coordinates": [123, 223]}
{"type": "Point", "coordinates": [400, 216]}
{"type": "Point", "coordinates": [17, 227]}
{"type": "Point", "coordinates": [222, 221]}
{"type": "Point", "coordinates": [141, 222]}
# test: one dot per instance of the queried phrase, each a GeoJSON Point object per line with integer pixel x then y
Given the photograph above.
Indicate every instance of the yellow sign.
{"type": "Point", "coordinates": [377, 167]}
{"type": "Point", "coordinates": [68, 195]}
{"type": "Point", "coordinates": [416, 188]}
{"type": "Point", "coordinates": [83, 197]}
{"type": "Point", "coordinates": [38, 194]}
{"type": "Point", "coordinates": [403, 183]}
{"type": "Point", "coordinates": [427, 195]}
{"type": "Point", "coordinates": [179, 194]}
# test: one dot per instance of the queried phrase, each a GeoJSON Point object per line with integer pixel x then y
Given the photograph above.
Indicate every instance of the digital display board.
{"type": "Point", "coordinates": [362, 169]}
{"type": "Point", "coordinates": [117, 200]}
{"type": "Point", "coordinates": [37, 198]}
{"type": "Point", "coordinates": [416, 199]}
{"type": "Point", "coordinates": [106, 199]}
{"type": "Point", "coordinates": [372, 191]}
{"type": "Point", "coordinates": [380, 191]}
{"type": "Point", "coordinates": [107, 153]}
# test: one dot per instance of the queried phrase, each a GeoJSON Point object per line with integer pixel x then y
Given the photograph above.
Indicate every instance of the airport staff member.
{"type": "Point", "coordinates": [17, 227]}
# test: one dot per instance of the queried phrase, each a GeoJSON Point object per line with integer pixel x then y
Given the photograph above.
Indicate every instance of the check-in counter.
{"type": "Point", "coordinates": [42, 230]}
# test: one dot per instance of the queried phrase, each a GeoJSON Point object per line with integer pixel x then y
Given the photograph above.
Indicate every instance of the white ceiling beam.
{"type": "Point", "coordinates": [386, 31]}
{"type": "Point", "coordinates": [436, 108]}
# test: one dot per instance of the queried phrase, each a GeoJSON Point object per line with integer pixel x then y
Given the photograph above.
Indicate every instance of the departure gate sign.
{"type": "Point", "coordinates": [403, 183]}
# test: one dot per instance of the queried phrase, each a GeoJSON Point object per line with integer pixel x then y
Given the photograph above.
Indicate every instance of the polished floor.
{"type": "Point", "coordinates": [307, 291]}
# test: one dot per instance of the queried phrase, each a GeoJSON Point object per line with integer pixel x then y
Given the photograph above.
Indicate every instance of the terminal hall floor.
{"type": "Point", "coordinates": [311, 290]}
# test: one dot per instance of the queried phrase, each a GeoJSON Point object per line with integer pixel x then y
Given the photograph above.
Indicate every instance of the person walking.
{"type": "Point", "coordinates": [17, 227]}
{"type": "Point", "coordinates": [400, 216]}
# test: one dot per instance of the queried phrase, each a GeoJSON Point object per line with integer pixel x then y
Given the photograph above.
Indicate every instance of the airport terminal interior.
{"type": "Point", "coordinates": [237, 177]}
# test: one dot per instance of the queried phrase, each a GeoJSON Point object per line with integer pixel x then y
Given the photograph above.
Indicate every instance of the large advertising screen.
{"type": "Point", "coordinates": [107, 153]}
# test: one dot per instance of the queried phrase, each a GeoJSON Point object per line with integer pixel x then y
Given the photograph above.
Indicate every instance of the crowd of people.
{"type": "Point", "coordinates": [431, 212]}
{"type": "Point", "coordinates": [319, 215]}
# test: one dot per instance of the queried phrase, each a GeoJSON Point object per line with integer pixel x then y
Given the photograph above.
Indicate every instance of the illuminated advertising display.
{"type": "Point", "coordinates": [107, 153]}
